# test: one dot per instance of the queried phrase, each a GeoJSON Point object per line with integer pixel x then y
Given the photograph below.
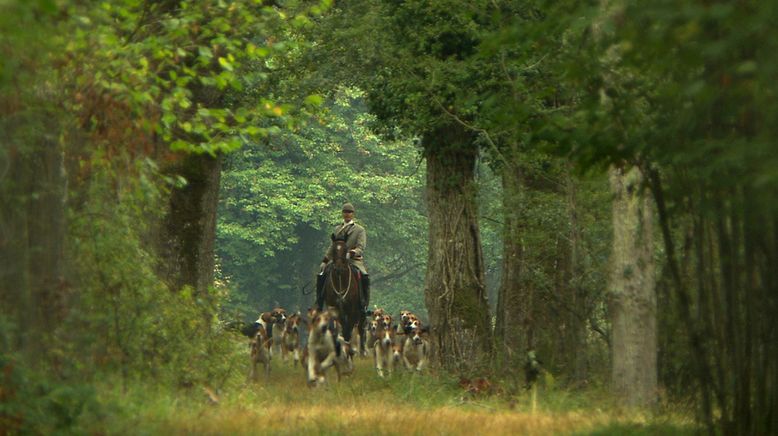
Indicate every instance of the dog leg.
{"type": "Point", "coordinates": [252, 371]}
{"type": "Point", "coordinates": [379, 353]}
{"type": "Point", "coordinates": [424, 352]}
{"type": "Point", "coordinates": [328, 361]}
{"type": "Point", "coordinates": [407, 362]}
{"type": "Point", "coordinates": [421, 365]}
{"type": "Point", "coordinates": [311, 368]}
{"type": "Point", "coordinates": [389, 364]}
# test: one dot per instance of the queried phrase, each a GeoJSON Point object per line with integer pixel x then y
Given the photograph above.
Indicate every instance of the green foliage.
{"type": "Point", "coordinates": [193, 72]}
{"type": "Point", "coordinates": [23, 38]}
{"type": "Point", "coordinates": [33, 402]}
{"type": "Point", "coordinates": [684, 89]}
{"type": "Point", "coordinates": [124, 318]}
{"type": "Point", "coordinates": [418, 67]}
{"type": "Point", "coordinates": [281, 200]}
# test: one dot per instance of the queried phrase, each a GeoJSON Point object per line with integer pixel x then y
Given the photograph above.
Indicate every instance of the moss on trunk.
{"type": "Point", "coordinates": [455, 292]}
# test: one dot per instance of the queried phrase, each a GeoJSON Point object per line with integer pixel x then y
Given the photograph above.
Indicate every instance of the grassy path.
{"type": "Point", "coordinates": [363, 404]}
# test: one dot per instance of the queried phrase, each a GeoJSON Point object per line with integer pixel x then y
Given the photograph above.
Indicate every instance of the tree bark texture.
{"type": "Point", "coordinates": [514, 324]}
{"type": "Point", "coordinates": [632, 291]}
{"type": "Point", "coordinates": [455, 293]}
{"type": "Point", "coordinates": [189, 228]}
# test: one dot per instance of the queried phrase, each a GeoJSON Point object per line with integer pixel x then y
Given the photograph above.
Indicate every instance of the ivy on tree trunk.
{"type": "Point", "coordinates": [455, 292]}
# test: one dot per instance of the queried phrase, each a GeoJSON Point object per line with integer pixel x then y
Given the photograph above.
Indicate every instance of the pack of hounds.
{"type": "Point", "coordinates": [317, 343]}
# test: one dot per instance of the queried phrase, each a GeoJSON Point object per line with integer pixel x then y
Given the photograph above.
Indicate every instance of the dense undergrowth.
{"type": "Point", "coordinates": [113, 323]}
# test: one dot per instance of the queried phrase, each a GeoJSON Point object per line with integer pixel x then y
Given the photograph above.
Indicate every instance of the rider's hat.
{"type": "Point", "coordinates": [348, 207]}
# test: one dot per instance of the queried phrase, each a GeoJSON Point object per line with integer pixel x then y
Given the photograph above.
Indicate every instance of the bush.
{"type": "Point", "coordinates": [125, 318]}
{"type": "Point", "coordinates": [32, 403]}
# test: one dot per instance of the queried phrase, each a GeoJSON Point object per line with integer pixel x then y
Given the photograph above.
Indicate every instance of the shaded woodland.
{"type": "Point", "coordinates": [586, 189]}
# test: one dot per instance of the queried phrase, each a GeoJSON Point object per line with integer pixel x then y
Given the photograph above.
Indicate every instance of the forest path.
{"type": "Point", "coordinates": [362, 403]}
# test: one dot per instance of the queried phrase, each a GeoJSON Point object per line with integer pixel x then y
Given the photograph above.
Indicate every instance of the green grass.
{"type": "Point", "coordinates": [429, 403]}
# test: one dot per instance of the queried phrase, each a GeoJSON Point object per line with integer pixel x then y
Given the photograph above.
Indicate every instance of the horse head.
{"type": "Point", "coordinates": [340, 248]}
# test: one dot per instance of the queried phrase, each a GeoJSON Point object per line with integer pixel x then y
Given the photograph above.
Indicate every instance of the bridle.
{"type": "Point", "coordinates": [339, 290]}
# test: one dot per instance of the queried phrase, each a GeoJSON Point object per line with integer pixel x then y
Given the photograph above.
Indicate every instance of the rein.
{"type": "Point", "coordinates": [339, 290]}
{"type": "Point", "coordinates": [342, 294]}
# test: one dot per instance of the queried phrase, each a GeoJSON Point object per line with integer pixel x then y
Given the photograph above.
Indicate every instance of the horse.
{"type": "Point", "coordinates": [341, 291]}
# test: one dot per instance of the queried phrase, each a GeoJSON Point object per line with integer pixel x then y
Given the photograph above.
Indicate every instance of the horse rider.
{"type": "Point", "coordinates": [356, 239]}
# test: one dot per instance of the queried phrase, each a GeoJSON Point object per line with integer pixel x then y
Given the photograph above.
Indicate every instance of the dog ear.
{"type": "Point", "coordinates": [332, 237]}
{"type": "Point", "coordinates": [425, 329]}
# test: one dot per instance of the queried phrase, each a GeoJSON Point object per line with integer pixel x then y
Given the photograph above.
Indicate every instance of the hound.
{"type": "Point", "coordinates": [371, 332]}
{"type": "Point", "coordinates": [397, 354]}
{"type": "Point", "coordinates": [344, 353]}
{"type": "Point", "coordinates": [408, 321]}
{"type": "Point", "coordinates": [344, 357]}
{"type": "Point", "coordinates": [416, 350]}
{"type": "Point", "coordinates": [312, 312]}
{"type": "Point", "coordinates": [260, 353]}
{"type": "Point", "coordinates": [267, 320]}
{"type": "Point", "coordinates": [320, 354]}
{"type": "Point", "coordinates": [413, 324]}
{"type": "Point", "coordinates": [290, 338]}
{"type": "Point", "coordinates": [386, 321]}
{"type": "Point", "coordinates": [383, 347]}
{"type": "Point", "coordinates": [279, 314]}
{"type": "Point", "coordinates": [405, 315]}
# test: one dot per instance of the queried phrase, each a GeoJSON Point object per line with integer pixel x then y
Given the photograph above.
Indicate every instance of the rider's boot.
{"type": "Point", "coordinates": [320, 290]}
{"type": "Point", "coordinates": [365, 296]}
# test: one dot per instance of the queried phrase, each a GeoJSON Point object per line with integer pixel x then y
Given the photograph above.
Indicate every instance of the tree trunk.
{"type": "Point", "coordinates": [32, 228]}
{"type": "Point", "coordinates": [575, 294]}
{"type": "Point", "coordinates": [455, 293]}
{"type": "Point", "coordinates": [190, 224]}
{"type": "Point", "coordinates": [632, 291]}
{"type": "Point", "coordinates": [514, 317]}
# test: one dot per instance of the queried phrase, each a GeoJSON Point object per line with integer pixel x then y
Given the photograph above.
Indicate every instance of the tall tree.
{"type": "Point", "coordinates": [633, 290]}
{"type": "Point", "coordinates": [455, 291]}
{"type": "Point", "coordinates": [697, 123]}
{"type": "Point", "coordinates": [412, 66]}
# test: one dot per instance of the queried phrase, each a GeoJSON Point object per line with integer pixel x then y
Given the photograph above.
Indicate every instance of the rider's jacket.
{"type": "Point", "coordinates": [356, 239]}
